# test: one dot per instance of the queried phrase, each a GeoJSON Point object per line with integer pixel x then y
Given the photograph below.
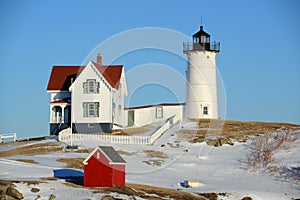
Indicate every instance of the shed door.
{"type": "Point", "coordinates": [130, 117]}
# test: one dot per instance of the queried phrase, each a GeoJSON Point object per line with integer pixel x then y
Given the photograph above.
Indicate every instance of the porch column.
{"type": "Point", "coordinates": [62, 114]}
{"type": "Point", "coordinates": [52, 114]}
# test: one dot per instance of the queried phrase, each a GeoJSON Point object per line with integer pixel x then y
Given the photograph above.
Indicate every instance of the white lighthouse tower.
{"type": "Point", "coordinates": [201, 99]}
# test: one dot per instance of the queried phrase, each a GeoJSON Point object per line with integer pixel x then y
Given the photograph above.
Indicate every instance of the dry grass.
{"type": "Point", "coordinates": [74, 185]}
{"type": "Point", "coordinates": [237, 130]}
{"type": "Point", "coordinates": [72, 162]}
{"type": "Point", "coordinates": [134, 131]}
{"type": "Point", "coordinates": [147, 192]}
{"type": "Point", "coordinates": [33, 149]}
{"type": "Point", "coordinates": [28, 182]}
{"type": "Point", "coordinates": [127, 153]}
{"type": "Point", "coordinates": [79, 150]}
{"type": "Point", "coordinates": [24, 141]}
{"type": "Point", "coordinates": [26, 161]}
{"type": "Point", "coordinates": [163, 192]}
{"type": "Point", "coordinates": [264, 147]}
{"type": "Point", "coordinates": [155, 154]}
{"type": "Point", "coordinates": [154, 162]}
{"type": "Point", "coordinates": [49, 178]}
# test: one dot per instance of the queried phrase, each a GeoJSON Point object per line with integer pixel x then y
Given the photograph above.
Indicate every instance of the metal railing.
{"type": "Point", "coordinates": [8, 136]}
{"type": "Point", "coordinates": [191, 46]}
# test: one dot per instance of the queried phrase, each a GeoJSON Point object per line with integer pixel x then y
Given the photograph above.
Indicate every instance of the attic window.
{"type": "Point", "coordinates": [91, 86]}
{"type": "Point", "coordinates": [98, 155]}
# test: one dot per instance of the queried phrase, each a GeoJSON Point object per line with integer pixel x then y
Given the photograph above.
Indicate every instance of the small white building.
{"type": "Point", "coordinates": [143, 115]}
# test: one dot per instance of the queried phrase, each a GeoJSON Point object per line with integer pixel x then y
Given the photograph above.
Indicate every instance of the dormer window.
{"type": "Point", "coordinates": [91, 86]}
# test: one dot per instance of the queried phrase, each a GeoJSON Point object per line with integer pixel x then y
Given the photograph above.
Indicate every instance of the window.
{"type": "Point", "coordinates": [98, 155]}
{"type": "Point", "coordinates": [91, 125]}
{"type": "Point", "coordinates": [205, 110]}
{"type": "Point", "coordinates": [91, 87]}
{"type": "Point", "coordinates": [159, 112]}
{"type": "Point", "coordinates": [203, 39]}
{"type": "Point", "coordinates": [91, 109]}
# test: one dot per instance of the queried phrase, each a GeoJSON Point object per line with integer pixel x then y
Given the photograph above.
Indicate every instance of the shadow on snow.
{"type": "Point", "coordinates": [69, 175]}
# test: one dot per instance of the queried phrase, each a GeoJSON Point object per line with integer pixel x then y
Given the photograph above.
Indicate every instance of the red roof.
{"type": "Point", "coordinates": [111, 73]}
{"type": "Point", "coordinates": [155, 105]}
{"type": "Point", "coordinates": [60, 101]}
{"type": "Point", "coordinates": [62, 77]}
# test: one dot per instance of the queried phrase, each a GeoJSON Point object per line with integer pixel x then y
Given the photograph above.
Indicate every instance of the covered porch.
{"type": "Point", "coordinates": [60, 116]}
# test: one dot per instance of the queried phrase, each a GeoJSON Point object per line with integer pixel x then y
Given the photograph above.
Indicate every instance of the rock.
{"type": "Point", "coordinates": [3, 194]}
{"type": "Point", "coordinates": [13, 192]}
{"type": "Point", "coordinates": [35, 190]}
{"type": "Point", "coordinates": [223, 141]}
{"type": "Point", "coordinates": [108, 197]}
{"type": "Point", "coordinates": [163, 145]}
{"type": "Point", "coordinates": [198, 140]}
{"type": "Point", "coordinates": [211, 196]}
{"type": "Point", "coordinates": [211, 142]}
{"type": "Point", "coordinates": [52, 196]}
{"type": "Point", "coordinates": [246, 198]}
{"type": "Point", "coordinates": [38, 197]}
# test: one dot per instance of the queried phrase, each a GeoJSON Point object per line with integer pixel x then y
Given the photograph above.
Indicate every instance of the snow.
{"type": "Point", "coordinates": [219, 169]}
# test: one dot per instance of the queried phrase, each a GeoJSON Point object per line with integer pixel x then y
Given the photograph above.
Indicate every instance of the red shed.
{"type": "Point", "coordinates": [104, 167]}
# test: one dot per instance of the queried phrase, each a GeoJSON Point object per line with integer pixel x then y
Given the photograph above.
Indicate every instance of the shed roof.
{"type": "Point", "coordinates": [112, 154]}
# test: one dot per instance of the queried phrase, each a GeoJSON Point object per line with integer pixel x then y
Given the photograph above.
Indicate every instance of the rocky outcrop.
{"type": "Point", "coordinates": [52, 196]}
{"type": "Point", "coordinates": [8, 191]}
{"type": "Point", "coordinates": [13, 192]}
{"type": "Point", "coordinates": [219, 142]}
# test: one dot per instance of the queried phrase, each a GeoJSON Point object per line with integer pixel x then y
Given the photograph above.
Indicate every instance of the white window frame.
{"type": "Point", "coordinates": [91, 109]}
{"type": "Point", "coordinates": [158, 114]}
{"type": "Point", "coordinates": [91, 87]}
{"type": "Point", "coordinates": [205, 110]}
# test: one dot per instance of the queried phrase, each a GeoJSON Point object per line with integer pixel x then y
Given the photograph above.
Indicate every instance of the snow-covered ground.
{"type": "Point", "coordinates": [165, 164]}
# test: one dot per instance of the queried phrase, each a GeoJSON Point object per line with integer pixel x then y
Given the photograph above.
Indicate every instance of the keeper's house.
{"type": "Point", "coordinates": [90, 97]}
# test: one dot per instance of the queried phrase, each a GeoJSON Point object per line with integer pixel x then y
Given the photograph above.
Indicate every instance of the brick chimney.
{"type": "Point", "coordinates": [99, 59]}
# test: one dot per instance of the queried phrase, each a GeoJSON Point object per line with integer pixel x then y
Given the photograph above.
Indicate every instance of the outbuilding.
{"type": "Point", "coordinates": [104, 167]}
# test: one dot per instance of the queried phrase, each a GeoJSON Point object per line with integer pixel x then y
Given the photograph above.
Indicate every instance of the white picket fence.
{"type": "Point", "coordinates": [66, 136]}
{"type": "Point", "coordinates": [8, 136]}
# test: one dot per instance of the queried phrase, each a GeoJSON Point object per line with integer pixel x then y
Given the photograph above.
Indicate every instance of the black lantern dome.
{"type": "Point", "coordinates": [202, 38]}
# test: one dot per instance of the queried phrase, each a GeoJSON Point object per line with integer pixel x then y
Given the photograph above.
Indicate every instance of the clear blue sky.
{"type": "Point", "coordinates": [259, 60]}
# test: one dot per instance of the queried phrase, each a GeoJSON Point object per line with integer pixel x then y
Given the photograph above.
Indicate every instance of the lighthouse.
{"type": "Point", "coordinates": [201, 88]}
